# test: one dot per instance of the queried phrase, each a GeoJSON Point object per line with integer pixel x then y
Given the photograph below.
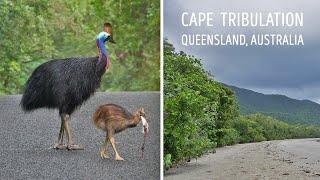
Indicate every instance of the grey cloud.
{"type": "Point", "coordinates": [292, 71]}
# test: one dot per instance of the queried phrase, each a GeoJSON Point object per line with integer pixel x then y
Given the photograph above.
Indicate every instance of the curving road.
{"type": "Point", "coordinates": [283, 159]}
{"type": "Point", "coordinates": [26, 140]}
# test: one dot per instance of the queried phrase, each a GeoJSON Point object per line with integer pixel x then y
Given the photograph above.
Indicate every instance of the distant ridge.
{"type": "Point", "coordinates": [278, 106]}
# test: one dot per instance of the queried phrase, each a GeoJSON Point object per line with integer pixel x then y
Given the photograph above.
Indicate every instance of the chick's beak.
{"type": "Point", "coordinates": [145, 125]}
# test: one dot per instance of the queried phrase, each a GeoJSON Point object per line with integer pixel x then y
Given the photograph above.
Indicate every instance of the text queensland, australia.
{"type": "Point", "coordinates": [242, 40]}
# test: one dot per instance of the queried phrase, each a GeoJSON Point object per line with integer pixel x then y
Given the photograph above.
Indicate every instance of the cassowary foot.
{"type": "Point", "coordinates": [75, 147]}
{"type": "Point", "coordinates": [59, 146]}
{"type": "Point", "coordinates": [104, 154]}
{"type": "Point", "coordinates": [118, 158]}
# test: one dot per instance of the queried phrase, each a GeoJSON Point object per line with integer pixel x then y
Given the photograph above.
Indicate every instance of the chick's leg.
{"type": "Point", "coordinates": [112, 141]}
{"type": "Point", "coordinates": [104, 149]}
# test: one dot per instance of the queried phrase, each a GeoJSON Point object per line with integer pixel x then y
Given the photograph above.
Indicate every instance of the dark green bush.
{"type": "Point", "coordinates": [195, 107]}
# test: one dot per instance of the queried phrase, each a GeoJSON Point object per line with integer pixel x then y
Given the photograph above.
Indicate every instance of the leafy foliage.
{"type": "Point", "coordinates": [33, 32]}
{"type": "Point", "coordinates": [200, 113]}
{"type": "Point", "coordinates": [258, 127]}
{"type": "Point", "coordinates": [196, 107]}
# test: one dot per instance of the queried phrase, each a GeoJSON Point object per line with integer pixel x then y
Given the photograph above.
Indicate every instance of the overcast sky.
{"type": "Point", "coordinates": [291, 71]}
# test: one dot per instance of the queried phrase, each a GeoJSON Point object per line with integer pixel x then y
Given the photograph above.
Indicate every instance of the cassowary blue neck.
{"type": "Point", "coordinates": [101, 65]}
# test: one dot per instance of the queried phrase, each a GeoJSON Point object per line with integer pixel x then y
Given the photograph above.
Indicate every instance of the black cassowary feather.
{"type": "Point", "coordinates": [63, 84]}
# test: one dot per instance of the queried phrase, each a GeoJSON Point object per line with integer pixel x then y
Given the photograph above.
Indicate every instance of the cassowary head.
{"type": "Point", "coordinates": [143, 120]}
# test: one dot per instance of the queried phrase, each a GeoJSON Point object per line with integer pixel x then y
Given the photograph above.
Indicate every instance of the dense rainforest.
{"type": "Point", "coordinates": [35, 31]}
{"type": "Point", "coordinates": [201, 113]}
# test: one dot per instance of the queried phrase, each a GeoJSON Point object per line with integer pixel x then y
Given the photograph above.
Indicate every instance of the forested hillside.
{"type": "Point", "coordinates": [33, 32]}
{"type": "Point", "coordinates": [201, 113]}
{"type": "Point", "coordinates": [278, 106]}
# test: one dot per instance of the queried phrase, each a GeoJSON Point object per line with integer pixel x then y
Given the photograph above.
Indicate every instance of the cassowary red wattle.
{"type": "Point", "coordinates": [63, 84]}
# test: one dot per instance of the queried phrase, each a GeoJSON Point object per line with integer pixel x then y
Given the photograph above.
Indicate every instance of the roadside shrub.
{"type": "Point", "coordinates": [230, 136]}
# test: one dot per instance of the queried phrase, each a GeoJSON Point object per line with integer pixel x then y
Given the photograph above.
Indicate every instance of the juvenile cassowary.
{"type": "Point", "coordinates": [64, 85]}
{"type": "Point", "coordinates": [113, 119]}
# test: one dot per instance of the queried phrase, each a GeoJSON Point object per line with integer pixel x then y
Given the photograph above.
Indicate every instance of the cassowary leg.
{"type": "Point", "coordinates": [71, 145]}
{"type": "Point", "coordinates": [112, 141]}
{"type": "Point", "coordinates": [60, 144]}
{"type": "Point", "coordinates": [104, 149]}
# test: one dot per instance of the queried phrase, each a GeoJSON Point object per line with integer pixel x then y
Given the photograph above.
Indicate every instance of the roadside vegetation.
{"type": "Point", "coordinates": [33, 32]}
{"type": "Point", "coordinates": [201, 113]}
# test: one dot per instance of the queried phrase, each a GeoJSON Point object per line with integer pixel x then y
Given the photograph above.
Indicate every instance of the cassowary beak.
{"type": "Point", "coordinates": [145, 125]}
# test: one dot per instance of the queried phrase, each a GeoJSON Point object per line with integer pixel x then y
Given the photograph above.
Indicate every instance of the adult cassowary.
{"type": "Point", "coordinates": [63, 84]}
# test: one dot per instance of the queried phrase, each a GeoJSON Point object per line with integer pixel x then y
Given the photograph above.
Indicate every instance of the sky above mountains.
{"type": "Point", "coordinates": [291, 71]}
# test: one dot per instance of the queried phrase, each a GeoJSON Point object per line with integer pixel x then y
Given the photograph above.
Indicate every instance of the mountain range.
{"type": "Point", "coordinates": [281, 107]}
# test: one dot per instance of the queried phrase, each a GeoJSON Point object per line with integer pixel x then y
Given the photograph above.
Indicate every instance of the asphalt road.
{"type": "Point", "coordinates": [26, 141]}
{"type": "Point", "coordinates": [284, 159]}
